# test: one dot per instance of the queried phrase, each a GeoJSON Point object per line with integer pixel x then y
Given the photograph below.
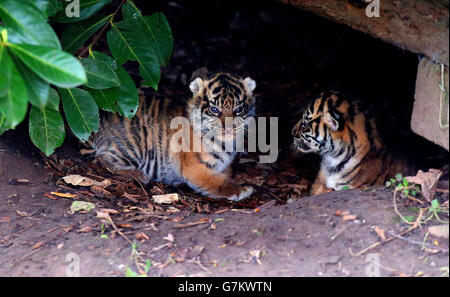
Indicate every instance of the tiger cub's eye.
{"type": "Point", "coordinates": [214, 110]}
{"type": "Point", "coordinates": [238, 110]}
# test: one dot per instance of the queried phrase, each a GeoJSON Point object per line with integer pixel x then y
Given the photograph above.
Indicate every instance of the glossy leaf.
{"type": "Point", "coordinates": [37, 88]}
{"type": "Point", "coordinates": [81, 112]}
{"type": "Point", "coordinates": [29, 22]}
{"type": "Point", "coordinates": [5, 71]}
{"type": "Point", "coordinates": [119, 49]}
{"type": "Point", "coordinates": [13, 103]}
{"type": "Point", "coordinates": [4, 125]}
{"type": "Point", "coordinates": [155, 28]}
{"type": "Point", "coordinates": [105, 99]}
{"type": "Point", "coordinates": [139, 47]}
{"type": "Point", "coordinates": [127, 95]}
{"type": "Point", "coordinates": [99, 74]}
{"type": "Point", "coordinates": [76, 35]}
{"type": "Point", "coordinates": [54, 66]}
{"type": "Point", "coordinates": [105, 58]}
{"type": "Point", "coordinates": [46, 125]}
{"type": "Point", "coordinates": [87, 9]}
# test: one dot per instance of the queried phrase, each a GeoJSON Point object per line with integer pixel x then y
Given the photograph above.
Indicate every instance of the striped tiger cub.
{"type": "Point", "coordinates": [345, 134]}
{"type": "Point", "coordinates": [141, 147]}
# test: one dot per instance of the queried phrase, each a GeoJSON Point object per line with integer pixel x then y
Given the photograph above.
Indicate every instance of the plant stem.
{"type": "Point", "coordinates": [97, 36]}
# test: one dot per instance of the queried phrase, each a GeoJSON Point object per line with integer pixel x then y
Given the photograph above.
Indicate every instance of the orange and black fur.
{"type": "Point", "coordinates": [344, 132]}
{"type": "Point", "coordinates": [142, 146]}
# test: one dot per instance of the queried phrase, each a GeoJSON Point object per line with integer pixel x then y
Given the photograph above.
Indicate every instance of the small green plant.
{"type": "Point", "coordinates": [401, 183]}
{"type": "Point", "coordinates": [142, 265]}
{"type": "Point", "coordinates": [435, 209]}
{"type": "Point", "coordinates": [39, 69]}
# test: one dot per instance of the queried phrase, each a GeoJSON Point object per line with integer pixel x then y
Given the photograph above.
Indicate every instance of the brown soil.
{"type": "Point", "coordinates": [305, 238]}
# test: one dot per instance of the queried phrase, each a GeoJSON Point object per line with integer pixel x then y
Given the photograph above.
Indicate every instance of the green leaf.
{"type": "Point", "coordinates": [105, 100]}
{"type": "Point", "coordinates": [46, 126]}
{"type": "Point", "coordinates": [127, 95]}
{"type": "Point", "coordinates": [13, 36]}
{"type": "Point", "coordinates": [105, 58]}
{"type": "Point", "coordinates": [155, 28]}
{"type": "Point", "coordinates": [29, 22]}
{"type": "Point", "coordinates": [99, 74]}
{"type": "Point", "coordinates": [410, 218]}
{"type": "Point", "coordinates": [38, 89]}
{"type": "Point", "coordinates": [399, 177]}
{"type": "Point", "coordinates": [5, 71]}
{"type": "Point", "coordinates": [13, 102]}
{"type": "Point", "coordinates": [119, 49]}
{"type": "Point", "coordinates": [4, 125]}
{"type": "Point", "coordinates": [124, 99]}
{"type": "Point", "coordinates": [76, 35]}
{"type": "Point", "coordinates": [435, 204]}
{"type": "Point", "coordinates": [140, 48]}
{"type": "Point", "coordinates": [87, 9]}
{"type": "Point", "coordinates": [81, 112]}
{"type": "Point", "coordinates": [53, 65]}
{"type": "Point", "coordinates": [40, 5]}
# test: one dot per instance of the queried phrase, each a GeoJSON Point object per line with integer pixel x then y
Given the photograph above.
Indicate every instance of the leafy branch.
{"type": "Point", "coordinates": [39, 69]}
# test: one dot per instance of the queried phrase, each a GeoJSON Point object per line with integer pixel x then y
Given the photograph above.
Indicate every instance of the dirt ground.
{"type": "Point", "coordinates": [280, 231]}
{"type": "Point", "coordinates": [308, 237]}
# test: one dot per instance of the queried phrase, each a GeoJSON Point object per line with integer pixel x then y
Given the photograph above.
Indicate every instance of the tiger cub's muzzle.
{"type": "Point", "coordinates": [304, 142]}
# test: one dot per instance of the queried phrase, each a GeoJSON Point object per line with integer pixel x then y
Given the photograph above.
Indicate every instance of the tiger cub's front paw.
{"type": "Point", "coordinates": [244, 192]}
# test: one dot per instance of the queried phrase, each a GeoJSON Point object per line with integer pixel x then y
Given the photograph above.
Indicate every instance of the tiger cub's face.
{"type": "Point", "coordinates": [321, 120]}
{"type": "Point", "coordinates": [220, 97]}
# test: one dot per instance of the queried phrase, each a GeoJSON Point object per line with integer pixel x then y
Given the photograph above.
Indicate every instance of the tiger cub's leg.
{"type": "Point", "coordinates": [216, 185]}
{"type": "Point", "coordinates": [319, 186]}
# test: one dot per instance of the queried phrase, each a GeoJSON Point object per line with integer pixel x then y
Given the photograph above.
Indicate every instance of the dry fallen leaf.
{"type": "Point", "coordinates": [81, 206]}
{"type": "Point", "coordinates": [22, 213]}
{"type": "Point", "coordinates": [141, 236]}
{"type": "Point", "coordinates": [101, 193]}
{"type": "Point", "coordinates": [349, 217]}
{"type": "Point", "coordinates": [169, 237]}
{"type": "Point", "coordinates": [341, 212]}
{"type": "Point", "coordinates": [109, 210]}
{"type": "Point", "coordinates": [64, 195]}
{"type": "Point", "coordinates": [439, 230]}
{"type": "Point", "coordinates": [166, 198]}
{"type": "Point", "coordinates": [427, 181]}
{"type": "Point", "coordinates": [84, 229]}
{"type": "Point", "coordinates": [78, 180]}
{"type": "Point", "coordinates": [380, 233]}
{"type": "Point", "coordinates": [38, 245]}
{"type": "Point", "coordinates": [5, 219]}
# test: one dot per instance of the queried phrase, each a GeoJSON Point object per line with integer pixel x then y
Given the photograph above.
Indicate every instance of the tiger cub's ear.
{"type": "Point", "coordinates": [196, 86]}
{"type": "Point", "coordinates": [332, 120]}
{"type": "Point", "coordinates": [249, 85]}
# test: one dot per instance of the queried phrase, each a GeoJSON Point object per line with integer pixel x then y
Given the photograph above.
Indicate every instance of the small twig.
{"type": "Point", "coordinates": [395, 205]}
{"type": "Point", "coordinates": [416, 242]}
{"type": "Point", "coordinates": [414, 226]}
{"type": "Point", "coordinates": [337, 234]}
{"type": "Point", "coordinates": [97, 36]}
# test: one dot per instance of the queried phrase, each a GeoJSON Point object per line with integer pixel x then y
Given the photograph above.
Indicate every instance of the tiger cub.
{"type": "Point", "coordinates": [142, 148]}
{"type": "Point", "coordinates": [345, 134]}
